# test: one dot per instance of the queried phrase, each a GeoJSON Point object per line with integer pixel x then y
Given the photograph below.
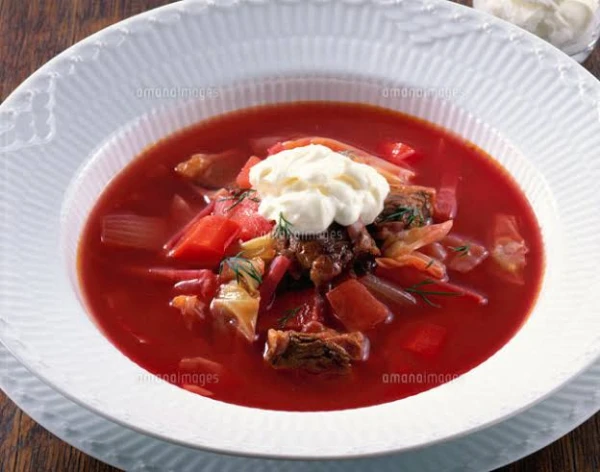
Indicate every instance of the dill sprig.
{"type": "Point", "coordinates": [407, 214]}
{"type": "Point", "coordinates": [430, 263]}
{"type": "Point", "coordinates": [239, 196]}
{"type": "Point", "coordinates": [287, 316]}
{"type": "Point", "coordinates": [425, 294]}
{"type": "Point", "coordinates": [242, 268]}
{"type": "Point", "coordinates": [283, 228]}
{"type": "Point", "coordinates": [462, 250]}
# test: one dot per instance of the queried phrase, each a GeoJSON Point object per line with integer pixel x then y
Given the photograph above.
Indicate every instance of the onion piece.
{"type": "Point", "coordinates": [464, 291]}
{"type": "Point", "coordinates": [386, 291]}
{"type": "Point", "coordinates": [435, 250]}
{"type": "Point", "coordinates": [446, 205]}
{"type": "Point", "coordinates": [464, 254]}
{"type": "Point", "coordinates": [181, 212]}
{"type": "Point", "coordinates": [262, 246]}
{"type": "Point", "coordinates": [200, 364]}
{"type": "Point", "coordinates": [133, 231]}
{"type": "Point", "coordinates": [206, 287]}
{"type": "Point", "coordinates": [170, 275]}
{"type": "Point", "coordinates": [248, 272]}
{"type": "Point", "coordinates": [234, 305]}
{"type": "Point", "coordinates": [509, 249]}
{"type": "Point", "coordinates": [192, 309]}
{"type": "Point", "coordinates": [406, 241]}
{"type": "Point", "coordinates": [276, 272]}
{"type": "Point", "coordinates": [260, 146]}
{"type": "Point", "coordinates": [416, 260]}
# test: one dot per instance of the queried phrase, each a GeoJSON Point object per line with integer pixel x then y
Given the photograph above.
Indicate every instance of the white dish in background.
{"type": "Point", "coordinates": [84, 115]}
{"type": "Point", "coordinates": [485, 450]}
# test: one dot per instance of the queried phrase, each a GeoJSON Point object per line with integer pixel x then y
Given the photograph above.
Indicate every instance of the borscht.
{"type": "Point", "coordinates": [311, 256]}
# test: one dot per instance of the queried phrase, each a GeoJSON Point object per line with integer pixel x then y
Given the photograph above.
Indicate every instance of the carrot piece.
{"type": "Point", "coordinates": [243, 178]}
{"type": "Point", "coordinates": [207, 241]}
{"type": "Point", "coordinates": [277, 147]}
{"type": "Point", "coordinates": [426, 339]}
{"type": "Point", "coordinates": [171, 243]}
{"type": "Point", "coordinates": [356, 307]}
{"type": "Point", "coordinates": [394, 173]}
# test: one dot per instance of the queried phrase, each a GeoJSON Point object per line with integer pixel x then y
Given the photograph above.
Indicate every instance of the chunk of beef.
{"type": "Point", "coordinates": [325, 256]}
{"type": "Point", "coordinates": [364, 244]}
{"type": "Point", "coordinates": [409, 206]}
{"type": "Point", "coordinates": [212, 170]}
{"type": "Point", "coordinates": [325, 351]}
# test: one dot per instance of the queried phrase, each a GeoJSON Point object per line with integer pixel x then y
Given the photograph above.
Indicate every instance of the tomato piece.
{"type": "Point", "coordinates": [243, 178]}
{"type": "Point", "coordinates": [356, 307]}
{"type": "Point", "coordinates": [207, 241]}
{"type": "Point", "coordinates": [299, 316]}
{"type": "Point", "coordinates": [244, 211]}
{"type": "Point", "coordinates": [425, 339]}
{"type": "Point", "coordinates": [396, 152]}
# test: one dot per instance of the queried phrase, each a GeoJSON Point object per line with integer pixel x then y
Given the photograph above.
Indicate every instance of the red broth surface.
{"type": "Point", "coordinates": [134, 312]}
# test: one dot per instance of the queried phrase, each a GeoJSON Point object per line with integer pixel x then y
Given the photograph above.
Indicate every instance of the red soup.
{"type": "Point", "coordinates": [223, 262]}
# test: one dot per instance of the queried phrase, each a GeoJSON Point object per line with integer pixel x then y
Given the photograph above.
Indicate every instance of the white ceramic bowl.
{"type": "Point", "coordinates": [78, 120]}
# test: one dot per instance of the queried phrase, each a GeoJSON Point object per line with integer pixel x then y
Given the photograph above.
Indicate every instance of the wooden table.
{"type": "Point", "coordinates": [32, 32]}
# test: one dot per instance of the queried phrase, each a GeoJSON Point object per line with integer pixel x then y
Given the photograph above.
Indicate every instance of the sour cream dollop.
{"type": "Point", "coordinates": [313, 186]}
{"type": "Point", "coordinates": [568, 24]}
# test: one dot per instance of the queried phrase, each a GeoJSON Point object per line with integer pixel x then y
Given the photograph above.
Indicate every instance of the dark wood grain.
{"type": "Point", "coordinates": [32, 32]}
